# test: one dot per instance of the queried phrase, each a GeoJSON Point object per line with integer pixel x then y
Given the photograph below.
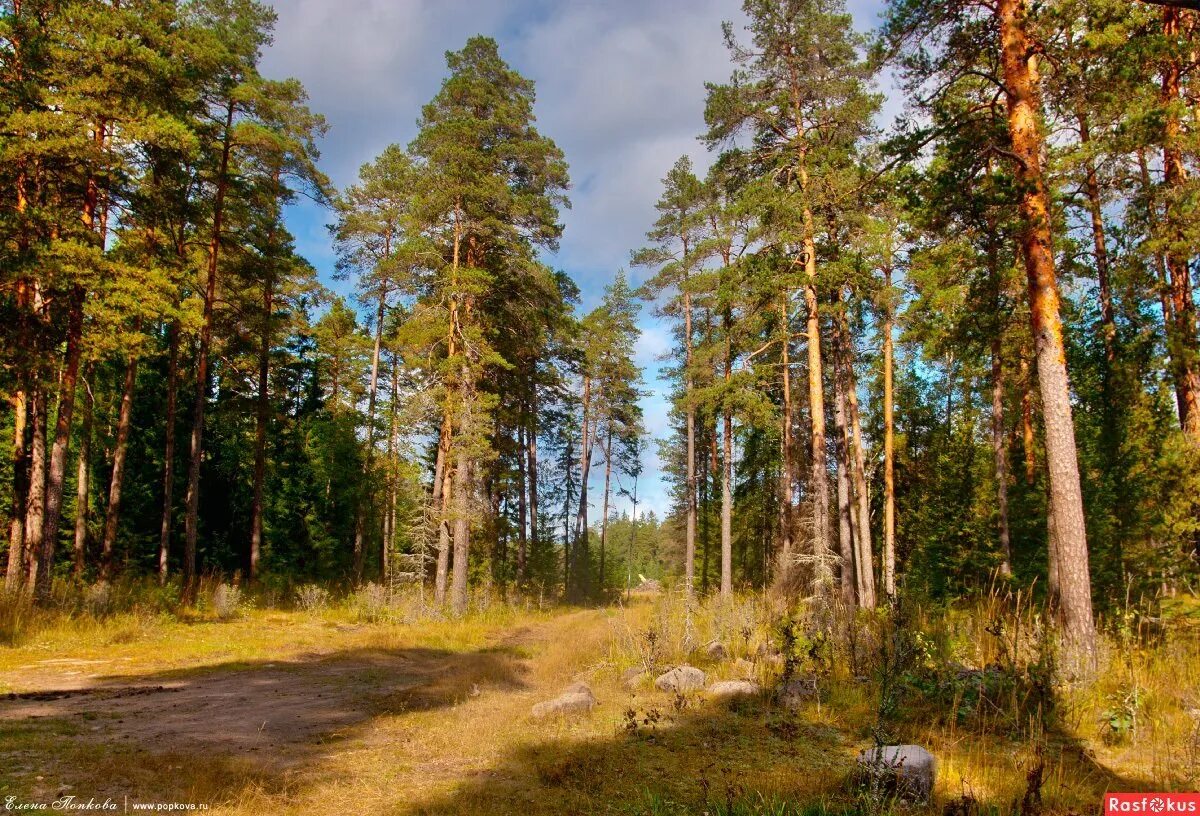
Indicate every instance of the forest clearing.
{"type": "Point", "coordinates": [685, 407]}
{"type": "Point", "coordinates": [346, 709]}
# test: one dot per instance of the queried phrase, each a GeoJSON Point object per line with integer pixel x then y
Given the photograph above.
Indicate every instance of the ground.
{"type": "Point", "coordinates": [302, 712]}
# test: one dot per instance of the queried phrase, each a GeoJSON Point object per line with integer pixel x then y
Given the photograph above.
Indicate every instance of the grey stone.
{"type": "Point", "coordinates": [633, 677]}
{"type": "Point", "coordinates": [715, 651]}
{"type": "Point", "coordinates": [794, 693]}
{"type": "Point", "coordinates": [908, 771]}
{"type": "Point", "coordinates": [727, 689]}
{"type": "Point", "coordinates": [680, 679]}
{"type": "Point", "coordinates": [577, 699]}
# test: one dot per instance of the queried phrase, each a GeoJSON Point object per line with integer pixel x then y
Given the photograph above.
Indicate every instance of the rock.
{"type": "Point", "coordinates": [715, 651]}
{"type": "Point", "coordinates": [743, 668]}
{"type": "Point", "coordinates": [648, 584]}
{"type": "Point", "coordinates": [576, 699]}
{"type": "Point", "coordinates": [728, 689]}
{"type": "Point", "coordinates": [633, 677]}
{"type": "Point", "coordinates": [795, 692]}
{"type": "Point", "coordinates": [908, 771]}
{"type": "Point", "coordinates": [681, 679]}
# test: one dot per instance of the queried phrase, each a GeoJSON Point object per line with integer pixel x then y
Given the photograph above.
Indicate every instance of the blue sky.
{"type": "Point", "coordinates": [620, 88]}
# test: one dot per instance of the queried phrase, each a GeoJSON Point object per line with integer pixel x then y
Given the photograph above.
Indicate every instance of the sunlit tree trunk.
{"type": "Point", "coordinates": [1073, 591]}
{"type": "Point", "coordinates": [15, 570]}
{"type": "Point", "coordinates": [604, 505]}
{"type": "Point", "coordinates": [861, 500]}
{"type": "Point", "coordinates": [365, 490]}
{"type": "Point", "coordinates": [819, 483]}
{"type": "Point", "coordinates": [787, 474]}
{"type": "Point", "coordinates": [1181, 331]}
{"type": "Point", "coordinates": [35, 496]}
{"type": "Point", "coordinates": [587, 440]}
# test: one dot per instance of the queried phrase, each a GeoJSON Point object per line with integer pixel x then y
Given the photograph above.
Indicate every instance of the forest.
{"type": "Point", "coordinates": [932, 452]}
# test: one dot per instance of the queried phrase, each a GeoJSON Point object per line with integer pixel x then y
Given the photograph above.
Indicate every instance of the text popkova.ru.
{"type": "Point", "coordinates": [1116, 804]}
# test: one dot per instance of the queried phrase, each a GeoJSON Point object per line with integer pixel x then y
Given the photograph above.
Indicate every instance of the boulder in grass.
{"type": "Point", "coordinates": [681, 680]}
{"type": "Point", "coordinates": [633, 678]}
{"type": "Point", "coordinates": [794, 693]}
{"type": "Point", "coordinates": [907, 771]}
{"type": "Point", "coordinates": [715, 651]}
{"type": "Point", "coordinates": [729, 689]}
{"type": "Point", "coordinates": [576, 699]}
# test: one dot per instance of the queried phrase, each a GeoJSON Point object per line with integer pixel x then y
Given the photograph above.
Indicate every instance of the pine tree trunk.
{"type": "Point", "coordinates": [787, 473]}
{"type": "Point", "coordinates": [56, 475]}
{"type": "Point", "coordinates": [262, 415]}
{"type": "Point", "coordinates": [822, 573]}
{"type": "Point", "coordinates": [531, 464]}
{"type": "Point", "coordinates": [164, 538]}
{"type": "Point", "coordinates": [858, 471]}
{"type": "Point", "coordinates": [83, 472]}
{"type": "Point", "coordinates": [849, 573]}
{"type": "Point", "coordinates": [389, 532]}
{"type": "Point", "coordinates": [35, 497]}
{"type": "Point", "coordinates": [15, 570]}
{"type": "Point", "coordinates": [689, 557]}
{"type": "Point", "coordinates": [112, 516]}
{"type": "Point", "coordinates": [192, 500]}
{"type": "Point", "coordinates": [604, 511]}
{"type": "Point", "coordinates": [522, 503]}
{"type": "Point", "coordinates": [889, 441]}
{"type": "Point", "coordinates": [1000, 454]}
{"type": "Point", "coordinates": [1066, 499]}
{"type": "Point", "coordinates": [727, 467]}
{"type": "Point", "coordinates": [1181, 331]}
{"type": "Point", "coordinates": [365, 491]}
{"type": "Point", "coordinates": [1027, 418]}
{"type": "Point", "coordinates": [581, 556]}
{"type": "Point", "coordinates": [462, 503]}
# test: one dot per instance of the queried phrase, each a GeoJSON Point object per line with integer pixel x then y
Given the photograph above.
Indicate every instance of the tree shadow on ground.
{"type": "Point", "coordinates": [749, 758]}
{"type": "Point", "coordinates": [206, 733]}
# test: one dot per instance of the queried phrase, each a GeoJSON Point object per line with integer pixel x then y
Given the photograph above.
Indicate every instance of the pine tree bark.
{"type": "Point", "coordinates": [1019, 64]}
{"type": "Point", "coordinates": [819, 485]}
{"type": "Point", "coordinates": [889, 439]}
{"type": "Point", "coordinates": [727, 462]}
{"type": "Point", "coordinates": [1000, 457]}
{"type": "Point", "coordinates": [56, 475]}
{"type": "Point", "coordinates": [858, 470]}
{"type": "Point", "coordinates": [164, 536]}
{"type": "Point", "coordinates": [15, 570]}
{"type": "Point", "coordinates": [581, 555]}
{"type": "Point", "coordinates": [35, 496]}
{"type": "Point", "coordinates": [365, 491]}
{"type": "Point", "coordinates": [532, 464]}
{"type": "Point", "coordinates": [522, 502]}
{"type": "Point", "coordinates": [112, 515]}
{"type": "Point", "coordinates": [849, 573]}
{"type": "Point", "coordinates": [192, 500]}
{"type": "Point", "coordinates": [689, 562]}
{"type": "Point", "coordinates": [787, 473]}
{"type": "Point", "coordinates": [999, 450]}
{"type": "Point", "coordinates": [262, 415]}
{"type": "Point", "coordinates": [463, 488]}
{"type": "Point", "coordinates": [604, 505]}
{"type": "Point", "coordinates": [83, 472]}
{"type": "Point", "coordinates": [1181, 331]}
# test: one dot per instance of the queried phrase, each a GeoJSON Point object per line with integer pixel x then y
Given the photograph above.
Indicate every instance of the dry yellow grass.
{"type": "Point", "coordinates": [433, 716]}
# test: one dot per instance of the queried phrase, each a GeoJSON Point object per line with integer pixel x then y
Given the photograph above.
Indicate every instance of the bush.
{"type": "Point", "coordinates": [311, 598]}
{"type": "Point", "coordinates": [226, 601]}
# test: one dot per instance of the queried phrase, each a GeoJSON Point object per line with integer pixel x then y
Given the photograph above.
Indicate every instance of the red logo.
{"type": "Point", "coordinates": [1151, 804]}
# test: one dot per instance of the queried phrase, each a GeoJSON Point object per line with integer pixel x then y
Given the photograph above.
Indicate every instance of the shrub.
{"type": "Point", "coordinates": [226, 601]}
{"type": "Point", "coordinates": [311, 598]}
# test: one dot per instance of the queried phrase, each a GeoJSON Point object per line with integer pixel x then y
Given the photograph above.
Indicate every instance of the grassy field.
{"type": "Point", "coordinates": [342, 709]}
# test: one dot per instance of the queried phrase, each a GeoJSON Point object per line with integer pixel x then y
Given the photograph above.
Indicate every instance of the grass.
{"type": "Point", "coordinates": [972, 683]}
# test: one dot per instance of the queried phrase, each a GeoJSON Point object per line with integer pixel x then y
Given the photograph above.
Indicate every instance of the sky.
{"type": "Point", "coordinates": [620, 88]}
